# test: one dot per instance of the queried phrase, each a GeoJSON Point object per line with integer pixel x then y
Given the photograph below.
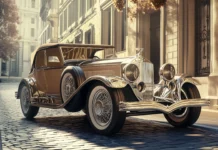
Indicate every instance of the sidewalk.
{"type": "Point", "coordinates": [10, 79]}
{"type": "Point", "coordinates": [207, 119]}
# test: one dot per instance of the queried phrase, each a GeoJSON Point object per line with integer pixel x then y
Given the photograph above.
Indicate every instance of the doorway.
{"type": "Point", "coordinates": [155, 43]}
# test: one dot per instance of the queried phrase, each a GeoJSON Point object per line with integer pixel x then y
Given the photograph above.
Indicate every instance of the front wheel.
{"type": "Point", "coordinates": [103, 109]}
{"type": "Point", "coordinates": [28, 111]}
{"type": "Point", "coordinates": [185, 116]}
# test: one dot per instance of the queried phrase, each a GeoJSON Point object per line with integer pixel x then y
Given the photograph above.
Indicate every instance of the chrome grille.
{"type": "Point", "coordinates": [147, 77]}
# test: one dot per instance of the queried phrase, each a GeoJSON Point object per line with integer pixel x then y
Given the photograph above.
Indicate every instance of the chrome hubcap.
{"type": "Point", "coordinates": [68, 86]}
{"type": "Point", "coordinates": [102, 108]}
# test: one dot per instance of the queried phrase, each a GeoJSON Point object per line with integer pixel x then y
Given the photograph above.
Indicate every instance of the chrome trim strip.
{"type": "Point", "coordinates": [152, 105]}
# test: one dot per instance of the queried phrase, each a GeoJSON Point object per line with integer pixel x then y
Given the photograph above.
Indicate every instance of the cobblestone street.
{"type": "Point", "coordinates": [58, 129]}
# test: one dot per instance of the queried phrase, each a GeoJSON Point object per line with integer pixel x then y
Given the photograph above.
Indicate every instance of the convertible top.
{"type": "Point", "coordinates": [50, 45]}
{"type": "Point", "coordinates": [93, 46]}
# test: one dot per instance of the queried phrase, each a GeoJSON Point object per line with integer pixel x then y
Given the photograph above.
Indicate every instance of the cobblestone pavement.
{"type": "Point", "coordinates": [58, 129]}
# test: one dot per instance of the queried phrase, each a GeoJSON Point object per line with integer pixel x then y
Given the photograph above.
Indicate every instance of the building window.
{"type": "Point", "coordinates": [32, 20]}
{"type": "Point", "coordinates": [4, 69]}
{"type": "Point", "coordinates": [202, 43]}
{"type": "Point", "coordinates": [49, 31]}
{"type": "Point", "coordinates": [88, 37]}
{"type": "Point", "coordinates": [90, 4]}
{"type": "Point", "coordinates": [123, 44]}
{"type": "Point", "coordinates": [33, 3]}
{"type": "Point", "coordinates": [78, 39]}
{"type": "Point", "coordinates": [32, 48]}
{"type": "Point", "coordinates": [70, 13]}
{"type": "Point", "coordinates": [82, 7]}
{"type": "Point", "coordinates": [32, 32]}
{"type": "Point", "coordinates": [13, 67]}
{"type": "Point", "coordinates": [75, 11]}
{"type": "Point", "coordinates": [65, 19]}
{"type": "Point", "coordinates": [61, 23]}
{"type": "Point", "coordinates": [108, 17]}
{"type": "Point", "coordinates": [109, 27]}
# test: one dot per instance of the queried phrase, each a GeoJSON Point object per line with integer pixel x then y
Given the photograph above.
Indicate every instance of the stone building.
{"type": "Point", "coordinates": [49, 21]}
{"type": "Point", "coordinates": [182, 33]}
{"type": "Point", "coordinates": [28, 30]}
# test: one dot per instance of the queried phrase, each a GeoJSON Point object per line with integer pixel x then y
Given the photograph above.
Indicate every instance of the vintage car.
{"type": "Point", "coordinates": [72, 77]}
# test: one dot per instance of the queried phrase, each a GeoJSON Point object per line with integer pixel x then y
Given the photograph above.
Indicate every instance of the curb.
{"type": "Point", "coordinates": [10, 79]}
{"type": "Point", "coordinates": [210, 110]}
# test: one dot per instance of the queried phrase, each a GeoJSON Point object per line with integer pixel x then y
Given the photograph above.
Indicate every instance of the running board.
{"type": "Point", "coordinates": [155, 106]}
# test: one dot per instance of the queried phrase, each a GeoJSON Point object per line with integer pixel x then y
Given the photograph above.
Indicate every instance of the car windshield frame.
{"type": "Point", "coordinates": [80, 53]}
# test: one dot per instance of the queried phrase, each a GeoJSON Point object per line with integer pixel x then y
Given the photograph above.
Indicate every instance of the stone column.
{"type": "Point", "coordinates": [214, 38]}
{"type": "Point", "coordinates": [213, 78]}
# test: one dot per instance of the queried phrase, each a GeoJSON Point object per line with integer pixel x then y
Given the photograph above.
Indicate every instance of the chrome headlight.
{"type": "Point", "coordinates": [167, 72]}
{"type": "Point", "coordinates": [131, 72]}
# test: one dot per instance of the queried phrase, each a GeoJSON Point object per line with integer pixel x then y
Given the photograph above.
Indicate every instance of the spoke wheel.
{"type": "Point", "coordinates": [71, 79]}
{"type": "Point", "coordinates": [185, 116]}
{"type": "Point", "coordinates": [25, 99]}
{"type": "Point", "coordinates": [28, 110]}
{"type": "Point", "coordinates": [103, 109]}
{"type": "Point", "coordinates": [67, 86]}
{"type": "Point", "coordinates": [100, 106]}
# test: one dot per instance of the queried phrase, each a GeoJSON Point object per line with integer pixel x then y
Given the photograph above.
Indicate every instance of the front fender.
{"type": "Point", "coordinates": [22, 83]}
{"type": "Point", "coordinates": [183, 79]}
{"type": "Point", "coordinates": [112, 82]}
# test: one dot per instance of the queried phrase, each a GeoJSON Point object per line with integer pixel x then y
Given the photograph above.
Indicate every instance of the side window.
{"type": "Point", "coordinates": [53, 58]}
{"type": "Point", "coordinates": [40, 60]}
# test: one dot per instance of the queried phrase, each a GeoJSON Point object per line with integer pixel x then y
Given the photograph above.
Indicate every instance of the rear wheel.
{"type": "Point", "coordinates": [70, 81]}
{"type": "Point", "coordinates": [185, 116]}
{"type": "Point", "coordinates": [28, 111]}
{"type": "Point", "coordinates": [103, 109]}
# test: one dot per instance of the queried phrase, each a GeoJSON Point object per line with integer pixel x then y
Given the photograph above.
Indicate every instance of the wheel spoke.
{"type": "Point", "coordinates": [25, 99]}
{"type": "Point", "coordinates": [102, 107]}
{"type": "Point", "coordinates": [68, 86]}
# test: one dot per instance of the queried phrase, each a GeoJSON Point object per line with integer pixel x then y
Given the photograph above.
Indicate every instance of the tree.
{"type": "Point", "coordinates": [8, 29]}
{"type": "Point", "coordinates": [143, 6]}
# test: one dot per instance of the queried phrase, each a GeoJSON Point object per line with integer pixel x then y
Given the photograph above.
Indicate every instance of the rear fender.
{"type": "Point", "coordinates": [30, 83]}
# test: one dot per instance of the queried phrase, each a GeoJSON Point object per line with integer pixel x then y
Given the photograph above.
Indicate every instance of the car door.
{"type": "Point", "coordinates": [39, 73]}
{"type": "Point", "coordinates": [53, 71]}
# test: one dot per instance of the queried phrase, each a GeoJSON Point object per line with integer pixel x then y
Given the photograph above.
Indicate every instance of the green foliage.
{"type": "Point", "coordinates": [8, 29]}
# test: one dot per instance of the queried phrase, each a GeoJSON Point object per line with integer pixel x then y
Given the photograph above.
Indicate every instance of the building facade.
{"type": "Point", "coordinates": [28, 30]}
{"type": "Point", "coordinates": [182, 33]}
{"type": "Point", "coordinates": [49, 21]}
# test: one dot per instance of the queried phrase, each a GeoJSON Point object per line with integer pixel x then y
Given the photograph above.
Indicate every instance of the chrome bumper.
{"type": "Point", "coordinates": [155, 106]}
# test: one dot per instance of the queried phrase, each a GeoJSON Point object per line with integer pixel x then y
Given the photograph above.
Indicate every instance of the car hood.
{"type": "Point", "coordinates": [88, 62]}
{"type": "Point", "coordinates": [107, 61]}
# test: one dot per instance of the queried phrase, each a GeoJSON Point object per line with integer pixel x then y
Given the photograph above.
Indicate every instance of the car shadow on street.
{"type": "Point", "coordinates": [136, 134]}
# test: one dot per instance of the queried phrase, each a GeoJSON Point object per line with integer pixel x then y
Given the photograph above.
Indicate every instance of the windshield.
{"type": "Point", "coordinates": [79, 53]}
